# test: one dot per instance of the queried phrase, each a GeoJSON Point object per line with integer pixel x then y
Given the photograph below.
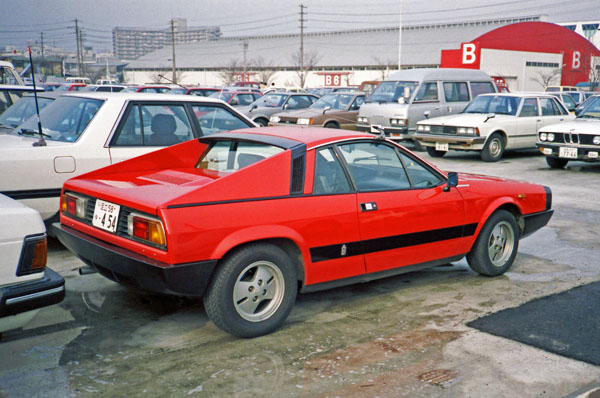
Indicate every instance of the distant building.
{"type": "Point", "coordinates": [132, 43]}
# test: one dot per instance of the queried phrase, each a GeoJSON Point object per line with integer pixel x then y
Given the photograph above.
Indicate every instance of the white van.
{"type": "Point", "coordinates": [8, 74]}
{"type": "Point", "coordinates": [411, 95]}
{"type": "Point", "coordinates": [83, 80]}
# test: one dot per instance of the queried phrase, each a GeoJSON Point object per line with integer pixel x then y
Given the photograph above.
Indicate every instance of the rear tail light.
{"type": "Point", "coordinates": [33, 255]}
{"type": "Point", "coordinates": [147, 229]}
{"type": "Point", "coordinates": [73, 205]}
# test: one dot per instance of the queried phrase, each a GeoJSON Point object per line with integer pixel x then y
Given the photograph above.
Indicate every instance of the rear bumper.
{"type": "Point", "coordinates": [535, 221]}
{"type": "Point", "coordinates": [27, 296]}
{"type": "Point", "coordinates": [132, 269]}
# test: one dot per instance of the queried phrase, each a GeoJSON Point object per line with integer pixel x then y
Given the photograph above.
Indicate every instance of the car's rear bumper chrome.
{"type": "Point", "coordinates": [133, 269]}
{"type": "Point", "coordinates": [27, 296]}
{"type": "Point", "coordinates": [535, 221]}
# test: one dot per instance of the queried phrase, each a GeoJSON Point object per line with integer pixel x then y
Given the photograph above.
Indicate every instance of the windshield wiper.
{"type": "Point", "coordinates": [24, 131]}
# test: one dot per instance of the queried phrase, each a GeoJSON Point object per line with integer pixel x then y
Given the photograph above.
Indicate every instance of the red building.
{"type": "Point", "coordinates": [523, 52]}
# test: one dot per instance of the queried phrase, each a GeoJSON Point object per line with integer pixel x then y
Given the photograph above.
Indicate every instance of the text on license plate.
{"type": "Point", "coordinates": [441, 146]}
{"type": "Point", "coordinates": [570, 153]}
{"type": "Point", "coordinates": [106, 215]}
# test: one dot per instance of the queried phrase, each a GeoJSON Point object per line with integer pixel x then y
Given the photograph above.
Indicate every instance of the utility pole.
{"type": "Point", "coordinates": [79, 55]}
{"type": "Point", "coordinates": [302, 7]}
{"type": "Point", "coordinates": [42, 43]}
{"type": "Point", "coordinates": [400, 38]}
{"type": "Point", "coordinates": [173, 45]}
{"type": "Point", "coordinates": [245, 65]}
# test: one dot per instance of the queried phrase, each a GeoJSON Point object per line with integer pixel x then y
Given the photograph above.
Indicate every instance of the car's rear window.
{"type": "Point", "coordinates": [232, 155]}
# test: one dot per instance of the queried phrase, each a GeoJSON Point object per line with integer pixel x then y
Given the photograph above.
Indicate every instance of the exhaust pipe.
{"type": "Point", "coordinates": [87, 271]}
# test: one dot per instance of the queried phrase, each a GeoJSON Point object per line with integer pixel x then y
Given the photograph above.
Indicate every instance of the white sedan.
{"type": "Point", "coordinates": [26, 284]}
{"type": "Point", "coordinates": [82, 132]}
{"type": "Point", "coordinates": [492, 123]}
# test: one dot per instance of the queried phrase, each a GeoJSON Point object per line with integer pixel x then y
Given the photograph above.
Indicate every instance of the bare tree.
{"type": "Point", "coordinates": [594, 72]}
{"type": "Point", "coordinates": [156, 76]}
{"type": "Point", "coordinates": [383, 66]}
{"type": "Point", "coordinates": [310, 60]}
{"type": "Point", "coordinates": [264, 69]}
{"type": "Point", "coordinates": [230, 72]}
{"type": "Point", "coordinates": [545, 78]}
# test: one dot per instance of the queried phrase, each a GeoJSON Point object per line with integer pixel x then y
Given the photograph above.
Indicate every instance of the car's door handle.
{"type": "Point", "coordinates": [369, 206]}
{"type": "Point", "coordinates": [562, 119]}
{"type": "Point", "coordinates": [539, 120]}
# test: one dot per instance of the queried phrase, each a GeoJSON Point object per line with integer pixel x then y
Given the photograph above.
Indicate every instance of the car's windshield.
{"type": "Point", "coordinates": [333, 101]}
{"type": "Point", "coordinates": [22, 110]}
{"type": "Point", "coordinates": [231, 155]}
{"type": "Point", "coordinates": [222, 95]}
{"type": "Point", "coordinates": [271, 100]}
{"type": "Point", "coordinates": [592, 110]}
{"type": "Point", "coordinates": [390, 91]}
{"type": "Point", "coordinates": [64, 119]}
{"type": "Point", "coordinates": [498, 104]}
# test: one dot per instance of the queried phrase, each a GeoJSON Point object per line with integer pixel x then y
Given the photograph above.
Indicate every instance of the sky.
{"type": "Point", "coordinates": [28, 20]}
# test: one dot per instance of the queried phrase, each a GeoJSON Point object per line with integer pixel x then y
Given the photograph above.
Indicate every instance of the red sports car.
{"type": "Point", "coordinates": [248, 219]}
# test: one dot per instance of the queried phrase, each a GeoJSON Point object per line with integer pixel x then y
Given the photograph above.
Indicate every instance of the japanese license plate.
{"type": "Point", "coordinates": [106, 215]}
{"type": "Point", "coordinates": [441, 146]}
{"type": "Point", "coordinates": [569, 153]}
{"type": "Point", "coordinates": [376, 129]}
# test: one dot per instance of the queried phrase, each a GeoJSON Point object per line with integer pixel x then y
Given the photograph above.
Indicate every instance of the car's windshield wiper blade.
{"type": "Point", "coordinates": [32, 132]}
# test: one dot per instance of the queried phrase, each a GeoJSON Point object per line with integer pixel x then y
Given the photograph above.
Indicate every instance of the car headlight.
{"type": "Point", "coordinates": [543, 136]}
{"type": "Point", "coordinates": [398, 122]}
{"type": "Point", "coordinates": [596, 140]}
{"type": "Point", "coordinates": [274, 119]}
{"type": "Point", "coordinates": [425, 128]}
{"type": "Point", "coordinates": [466, 130]}
{"type": "Point", "coordinates": [550, 137]}
{"type": "Point", "coordinates": [304, 121]}
{"type": "Point", "coordinates": [73, 205]}
{"type": "Point", "coordinates": [362, 119]}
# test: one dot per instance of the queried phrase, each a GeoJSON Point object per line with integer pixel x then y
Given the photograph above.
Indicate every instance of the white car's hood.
{"type": "Point", "coordinates": [464, 119]}
{"type": "Point", "coordinates": [579, 125]}
{"type": "Point", "coordinates": [8, 141]}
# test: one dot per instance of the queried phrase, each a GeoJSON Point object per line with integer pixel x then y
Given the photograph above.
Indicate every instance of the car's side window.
{"type": "Point", "coordinates": [214, 119]}
{"type": "Point", "coordinates": [420, 176]}
{"type": "Point", "coordinates": [529, 108]}
{"type": "Point", "coordinates": [481, 88]}
{"type": "Point", "coordinates": [374, 166]}
{"type": "Point", "coordinates": [548, 107]}
{"type": "Point", "coordinates": [154, 125]}
{"type": "Point", "coordinates": [4, 101]}
{"type": "Point", "coordinates": [427, 92]}
{"type": "Point", "coordinates": [329, 174]}
{"type": "Point", "coordinates": [357, 103]}
{"type": "Point", "coordinates": [456, 91]}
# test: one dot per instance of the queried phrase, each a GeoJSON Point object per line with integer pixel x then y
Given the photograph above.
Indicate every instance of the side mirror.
{"type": "Point", "coordinates": [253, 107]}
{"type": "Point", "coordinates": [452, 181]}
{"type": "Point", "coordinates": [406, 92]}
{"type": "Point", "coordinates": [426, 114]}
{"type": "Point", "coordinates": [327, 108]}
{"type": "Point", "coordinates": [285, 107]}
{"type": "Point", "coordinates": [489, 116]}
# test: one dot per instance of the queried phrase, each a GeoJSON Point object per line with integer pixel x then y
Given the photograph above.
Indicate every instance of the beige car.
{"type": "Point", "coordinates": [335, 110]}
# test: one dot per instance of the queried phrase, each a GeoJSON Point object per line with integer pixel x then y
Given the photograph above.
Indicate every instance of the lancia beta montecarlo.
{"type": "Point", "coordinates": [248, 219]}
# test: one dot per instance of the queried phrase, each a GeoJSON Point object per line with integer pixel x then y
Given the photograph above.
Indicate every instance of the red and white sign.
{"type": "Point", "coordinates": [471, 55]}
{"type": "Point", "coordinates": [333, 79]}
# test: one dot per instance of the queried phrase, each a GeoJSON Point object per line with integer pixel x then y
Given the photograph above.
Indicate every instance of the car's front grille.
{"type": "Point", "coordinates": [288, 121]}
{"type": "Point", "coordinates": [443, 130]}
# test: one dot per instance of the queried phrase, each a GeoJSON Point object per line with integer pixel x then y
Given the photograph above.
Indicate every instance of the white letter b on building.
{"type": "Point", "coordinates": [469, 55]}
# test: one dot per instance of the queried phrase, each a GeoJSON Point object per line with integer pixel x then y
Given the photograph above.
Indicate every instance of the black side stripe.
{"type": "Point", "coordinates": [33, 193]}
{"type": "Point", "coordinates": [332, 252]}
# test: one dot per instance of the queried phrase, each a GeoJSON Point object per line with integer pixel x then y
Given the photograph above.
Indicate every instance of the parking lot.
{"type": "Point", "coordinates": [401, 336]}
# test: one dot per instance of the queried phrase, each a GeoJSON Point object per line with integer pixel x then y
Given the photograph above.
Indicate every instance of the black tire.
{"type": "Point", "coordinates": [262, 122]}
{"type": "Point", "coordinates": [417, 146]}
{"type": "Point", "coordinates": [493, 148]}
{"type": "Point", "coordinates": [431, 151]}
{"type": "Point", "coordinates": [331, 125]}
{"type": "Point", "coordinates": [496, 246]}
{"type": "Point", "coordinates": [262, 305]}
{"type": "Point", "coordinates": [556, 163]}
